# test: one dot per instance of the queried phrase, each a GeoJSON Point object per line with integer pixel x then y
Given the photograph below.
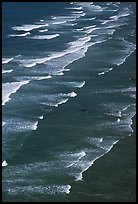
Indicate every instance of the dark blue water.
{"type": "Point", "coordinates": [68, 94]}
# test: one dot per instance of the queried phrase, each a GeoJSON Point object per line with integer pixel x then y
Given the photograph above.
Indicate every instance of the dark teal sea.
{"type": "Point", "coordinates": [68, 101]}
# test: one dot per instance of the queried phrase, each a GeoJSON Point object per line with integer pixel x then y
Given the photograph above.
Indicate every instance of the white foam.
{"type": "Point", "coordinates": [4, 163]}
{"type": "Point", "coordinates": [101, 73]}
{"type": "Point", "coordinates": [72, 94]}
{"type": "Point", "coordinates": [81, 84]}
{"type": "Point", "coordinates": [44, 37]}
{"type": "Point", "coordinates": [77, 156]}
{"type": "Point", "coordinates": [10, 88]}
{"type": "Point", "coordinates": [6, 60]}
{"type": "Point", "coordinates": [105, 21]}
{"type": "Point", "coordinates": [6, 71]}
{"type": "Point", "coordinates": [120, 61]}
{"type": "Point", "coordinates": [34, 126]}
{"type": "Point", "coordinates": [91, 30]}
{"type": "Point", "coordinates": [124, 109]}
{"type": "Point", "coordinates": [86, 166]}
{"type": "Point", "coordinates": [3, 123]}
{"type": "Point", "coordinates": [29, 65]}
{"type": "Point", "coordinates": [54, 17]}
{"type": "Point", "coordinates": [73, 19]}
{"type": "Point", "coordinates": [118, 120]}
{"type": "Point", "coordinates": [79, 29]}
{"type": "Point", "coordinates": [41, 117]}
{"type": "Point", "coordinates": [77, 84]}
{"type": "Point", "coordinates": [95, 8]}
{"type": "Point", "coordinates": [77, 12]}
{"type": "Point", "coordinates": [119, 113]}
{"type": "Point", "coordinates": [127, 52]}
{"type": "Point", "coordinates": [93, 18]}
{"type": "Point", "coordinates": [110, 69]}
{"type": "Point", "coordinates": [129, 89]}
{"type": "Point", "coordinates": [115, 113]}
{"type": "Point", "coordinates": [60, 73]}
{"type": "Point", "coordinates": [111, 146]}
{"type": "Point", "coordinates": [79, 176]}
{"type": "Point", "coordinates": [82, 154]}
{"type": "Point", "coordinates": [61, 102]}
{"type": "Point", "coordinates": [20, 35]}
{"type": "Point", "coordinates": [80, 42]}
{"type": "Point", "coordinates": [45, 30]}
{"type": "Point", "coordinates": [119, 16]}
{"type": "Point", "coordinates": [76, 8]}
{"type": "Point", "coordinates": [40, 78]}
{"type": "Point", "coordinates": [33, 62]}
{"type": "Point", "coordinates": [88, 27]}
{"type": "Point", "coordinates": [71, 24]}
{"type": "Point", "coordinates": [59, 22]}
{"type": "Point", "coordinates": [97, 42]}
{"type": "Point", "coordinates": [67, 189]}
{"type": "Point", "coordinates": [133, 95]}
{"type": "Point", "coordinates": [101, 139]}
{"type": "Point", "coordinates": [28, 27]}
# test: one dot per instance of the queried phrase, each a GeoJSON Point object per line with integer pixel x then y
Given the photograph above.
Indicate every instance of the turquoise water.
{"type": "Point", "coordinates": [66, 95]}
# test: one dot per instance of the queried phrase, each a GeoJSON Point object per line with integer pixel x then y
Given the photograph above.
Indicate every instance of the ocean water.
{"type": "Point", "coordinates": [66, 94]}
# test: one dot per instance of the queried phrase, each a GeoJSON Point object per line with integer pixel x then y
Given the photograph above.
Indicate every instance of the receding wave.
{"type": "Point", "coordinates": [80, 42]}
{"type": "Point", "coordinates": [101, 73]}
{"type": "Point", "coordinates": [10, 88]}
{"type": "Point", "coordinates": [61, 102]}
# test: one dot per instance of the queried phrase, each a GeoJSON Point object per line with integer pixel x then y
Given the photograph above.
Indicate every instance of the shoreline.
{"type": "Point", "coordinates": [102, 183]}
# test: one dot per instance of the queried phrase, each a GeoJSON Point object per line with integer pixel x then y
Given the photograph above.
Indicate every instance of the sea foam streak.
{"type": "Point", "coordinates": [59, 22]}
{"type": "Point", "coordinates": [40, 77]}
{"type": "Point", "coordinates": [76, 84]}
{"type": "Point", "coordinates": [20, 35]}
{"type": "Point", "coordinates": [6, 60]}
{"type": "Point", "coordinates": [45, 30]}
{"type": "Point", "coordinates": [28, 27]}
{"type": "Point", "coordinates": [101, 73]}
{"type": "Point", "coordinates": [6, 71]}
{"type": "Point", "coordinates": [43, 37]}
